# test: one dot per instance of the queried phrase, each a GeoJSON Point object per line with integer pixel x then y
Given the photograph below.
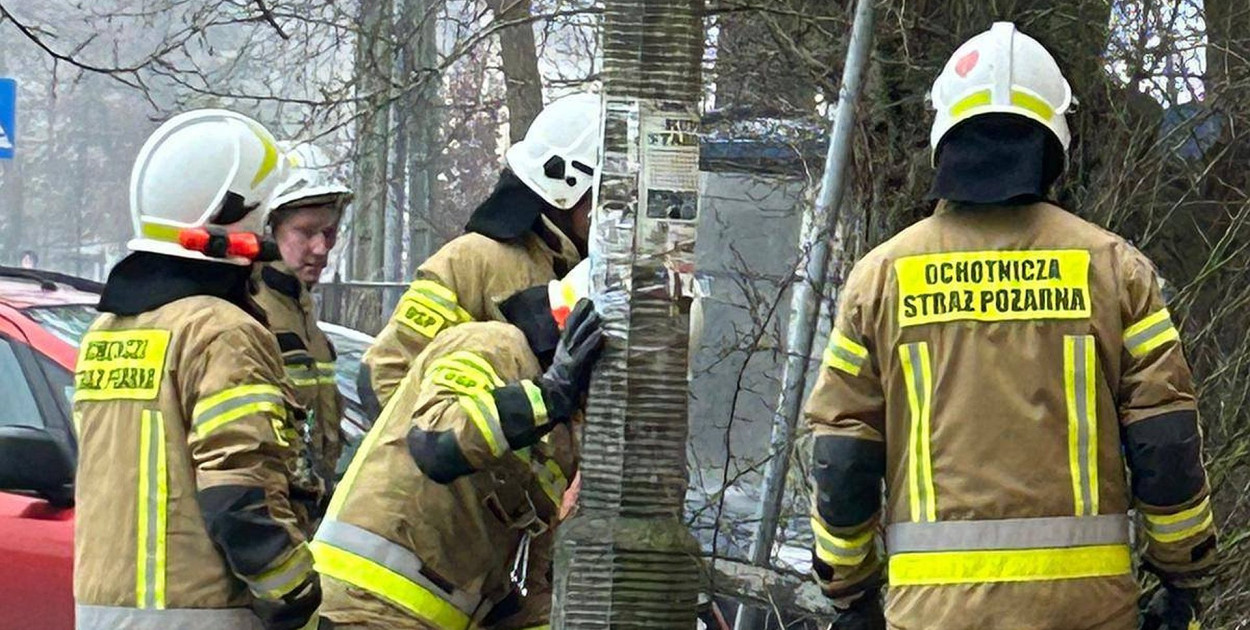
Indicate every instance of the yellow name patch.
{"type": "Point", "coordinates": [993, 286]}
{"type": "Point", "coordinates": [421, 317]}
{"type": "Point", "coordinates": [121, 365]}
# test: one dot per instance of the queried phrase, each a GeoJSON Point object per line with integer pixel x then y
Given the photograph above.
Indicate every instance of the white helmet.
{"type": "Point", "coordinates": [310, 182]}
{"type": "Point", "coordinates": [201, 168]}
{"type": "Point", "coordinates": [1000, 71]}
{"type": "Point", "coordinates": [558, 157]}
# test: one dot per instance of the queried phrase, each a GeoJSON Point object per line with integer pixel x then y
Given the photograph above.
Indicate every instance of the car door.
{"type": "Point", "coordinates": [36, 537]}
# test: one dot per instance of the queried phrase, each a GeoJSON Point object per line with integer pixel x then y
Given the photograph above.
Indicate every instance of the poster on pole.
{"type": "Point", "coordinates": [8, 117]}
{"type": "Point", "coordinates": [670, 161]}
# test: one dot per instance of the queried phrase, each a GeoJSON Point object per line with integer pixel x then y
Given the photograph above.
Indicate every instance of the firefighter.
{"type": "Point", "coordinates": [533, 228]}
{"type": "Point", "coordinates": [304, 222]}
{"type": "Point", "coordinates": [445, 517]}
{"type": "Point", "coordinates": [185, 429]}
{"type": "Point", "coordinates": [991, 366]}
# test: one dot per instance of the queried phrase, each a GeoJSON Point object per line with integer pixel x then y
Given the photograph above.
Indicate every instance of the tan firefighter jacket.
{"type": "Point", "coordinates": [308, 358]}
{"type": "Point", "coordinates": [400, 550]}
{"type": "Point", "coordinates": [185, 438]}
{"type": "Point", "coordinates": [997, 367]}
{"type": "Point", "coordinates": [463, 281]}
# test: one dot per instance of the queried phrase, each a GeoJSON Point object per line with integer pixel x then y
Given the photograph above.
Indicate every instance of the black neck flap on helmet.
{"type": "Point", "coordinates": [1000, 159]}
{"type": "Point", "coordinates": [144, 281]}
{"type": "Point", "coordinates": [530, 310]}
{"type": "Point", "coordinates": [509, 212]}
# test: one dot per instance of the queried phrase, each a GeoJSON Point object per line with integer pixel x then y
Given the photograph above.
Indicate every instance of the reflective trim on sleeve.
{"type": "Point", "coordinates": [551, 478]}
{"type": "Point", "coordinates": [1170, 528]}
{"type": "Point", "coordinates": [537, 404]}
{"type": "Point", "coordinates": [841, 551]}
{"type": "Point", "coordinates": [428, 307]}
{"type": "Point", "coordinates": [1079, 375]}
{"type": "Point", "coordinates": [1015, 565]}
{"type": "Point", "coordinates": [1151, 332]}
{"type": "Point", "coordinates": [280, 580]}
{"type": "Point", "coordinates": [152, 512]}
{"type": "Point", "coordinates": [482, 411]}
{"type": "Point", "coordinates": [325, 372]}
{"type": "Point", "coordinates": [1009, 533]}
{"type": "Point", "coordinates": [88, 617]}
{"type": "Point", "coordinates": [844, 354]}
{"type": "Point", "coordinates": [237, 402]}
{"type": "Point", "coordinates": [360, 557]}
{"type": "Point", "coordinates": [304, 375]}
{"type": "Point", "coordinates": [919, 376]}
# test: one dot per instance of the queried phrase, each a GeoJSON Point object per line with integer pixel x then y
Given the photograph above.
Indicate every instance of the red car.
{"type": "Point", "coordinates": [41, 317]}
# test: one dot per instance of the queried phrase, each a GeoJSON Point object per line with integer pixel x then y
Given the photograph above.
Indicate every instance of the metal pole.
{"type": "Point", "coordinates": [804, 305]}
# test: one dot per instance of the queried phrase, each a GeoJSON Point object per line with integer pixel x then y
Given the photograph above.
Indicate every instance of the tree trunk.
{"type": "Point", "coordinates": [520, 65]}
{"type": "Point", "coordinates": [420, 57]}
{"type": "Point", "coordinates": [374, 63]}
{"type": "Point", "coordinates": [627, 560]}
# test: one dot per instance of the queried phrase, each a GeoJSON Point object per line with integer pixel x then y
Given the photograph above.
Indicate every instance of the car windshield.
{"type": "Point", "coordinates": [68, 321]}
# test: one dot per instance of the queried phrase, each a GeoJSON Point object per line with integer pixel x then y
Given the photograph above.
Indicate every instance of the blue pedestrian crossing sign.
{"type": "Point", "coordinates": [8, 117]}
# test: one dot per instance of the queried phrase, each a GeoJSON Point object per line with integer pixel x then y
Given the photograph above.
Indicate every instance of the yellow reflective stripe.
{"type": "Point", "coordinates": [152, 505]}
{"type": "Point", "coordinates": [159, 232]}
{"type": "Point", "coordinates": [919, 376]}
{"type": "Point", "coordinates": [395, 588]}
{"type": "Point", "coordinates": [326, 373]}
{"type": "Point", "coordinates": [278, 581]}
{"type": "Point", "coordinates": [439, 298]}
{"type": "Point", "coordinates": [1151, 332]}
{"type": "Point", "coordinates": [1168, 528]}
{"type": "Point", "coordinates": [270, 160]}
{"type": "Point", "coordinates": [481, 364]}
{"type": "Point", "coordinates": [538, 406]}
{"type": "Point", "coordinates": [1014, 565]}
{"type": "Point", "coordinates": [1019, 98]}
{"type": "Point", "coordinates": [482, 411]}
{"type": "Point", "coordinates": [844, 354]}
{"type": "Point", "coordinates": [463, 372]}
{"type": "Point", "coordinates": [236, 402]}
{"type": "Point", "coordinates": [1079, 376]}
{"type": "Point", "coordinates": [552, 480]}
{"type": "Point", "coordinates": [837, 550]}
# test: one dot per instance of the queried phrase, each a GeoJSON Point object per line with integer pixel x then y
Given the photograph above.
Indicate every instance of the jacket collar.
{"type": "Point", "coordinates": [144, 282]}
{"type": "Point", "coordinates": [278, 276]}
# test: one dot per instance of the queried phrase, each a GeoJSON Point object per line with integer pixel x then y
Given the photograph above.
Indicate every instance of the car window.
{"type": "Point", "coordinates": [19, 408]}
{"type": "Point", "coordinates": [67, 321]}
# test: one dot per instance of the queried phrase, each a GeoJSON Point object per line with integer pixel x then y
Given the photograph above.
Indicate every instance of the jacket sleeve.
{"type": "Point", "coordinates": [846, 413]}
{"type": "Point", "coordinates": [1162, 437]}
{"type": "Point", "coordinates": [242, 442]}
{"type": "Point", "coordinates": [461, 427]}
{"type": "Point", "coordinates": [430, 305]}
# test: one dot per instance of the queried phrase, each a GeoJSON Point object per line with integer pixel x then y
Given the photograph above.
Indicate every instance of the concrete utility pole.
{"type": "Point", "coordinates": [805, 299]}
{"type": "Point", "coordinates": [626, 560]}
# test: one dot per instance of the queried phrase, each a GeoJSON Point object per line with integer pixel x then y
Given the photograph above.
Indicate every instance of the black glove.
{"type": "Point", "coordinates": [1172, 609]}
{"type": "Point", "coordinates": [864, 613]}
{"type": "Point", "coordinates": [568, 378]}
{"type": "Point", "coordinates": [292, 612]}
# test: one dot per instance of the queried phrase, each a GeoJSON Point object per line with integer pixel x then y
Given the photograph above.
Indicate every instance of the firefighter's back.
{"type": "Point", "coordinates": [999, 335]}
{"type": "Point", "coordinates": [141, 542]}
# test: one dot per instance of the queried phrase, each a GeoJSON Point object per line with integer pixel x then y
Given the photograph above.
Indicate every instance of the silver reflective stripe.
{"type": "Point", "coordinates": [375, 548]}
{"type": "Point", "coordinates": [1082, 420]}
{"type": "Point", "coordinates": [271, 587]}
{"type": "Point", "coordinates": [1010, 533]}
{"type": "Point", "coordinates": [230, 404]}
{"type": "Point", "coordinates": [1150, 333]}
{"type": "Point", "coordinates": [845, 355]}
{"type": "Point", "coordinates": [88, 617]}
